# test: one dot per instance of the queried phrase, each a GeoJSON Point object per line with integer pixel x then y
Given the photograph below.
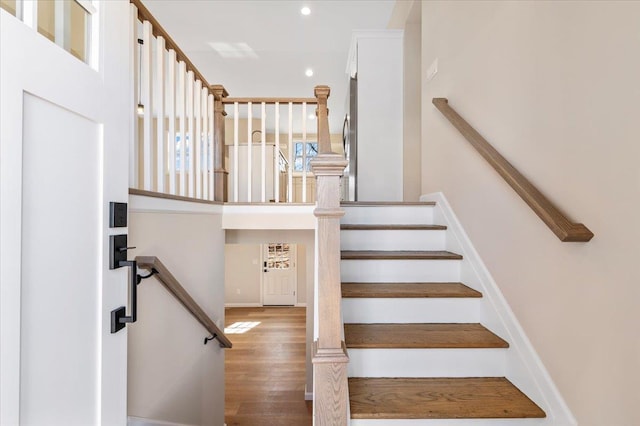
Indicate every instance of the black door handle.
{"type": "Point", "coordinates": [119, 318]}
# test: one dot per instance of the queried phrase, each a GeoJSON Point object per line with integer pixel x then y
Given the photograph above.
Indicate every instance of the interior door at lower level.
{"type": "Point", "coordinates": [279, 274]}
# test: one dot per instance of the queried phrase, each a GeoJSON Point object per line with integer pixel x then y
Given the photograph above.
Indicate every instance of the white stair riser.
{"type": "Point", "coordinates": [389, 215]}
{"type": "Point", "coordinates": [426, 362]}
{"type": "Point", "coordinates": [374, 270]}
{"type": "Point", "coordinates": [393, 240]}
{"type": "Point", "coordinates": [423, 310]}
{"type": "Point", "coordinates": [452, 422]}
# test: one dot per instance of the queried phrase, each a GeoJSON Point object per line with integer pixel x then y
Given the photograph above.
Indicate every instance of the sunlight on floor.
{"type": "Point", "coordinates": [240, 327]}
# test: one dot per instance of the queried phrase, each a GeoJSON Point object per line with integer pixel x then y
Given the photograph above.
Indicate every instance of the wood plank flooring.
{"type": "Point", "coordinates": [265, 369]}
{"type": "Point", "coordinates": [439, 398]}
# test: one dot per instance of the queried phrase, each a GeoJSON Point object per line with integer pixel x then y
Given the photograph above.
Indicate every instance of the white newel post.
{"type": "Point", "coordinates": [329, 352]}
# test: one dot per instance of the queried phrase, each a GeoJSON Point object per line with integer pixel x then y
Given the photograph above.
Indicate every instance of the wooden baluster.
{"type": "Point", "coordinates": [329, 356]}
{"type": "Point", "coordinates": [219, 92]}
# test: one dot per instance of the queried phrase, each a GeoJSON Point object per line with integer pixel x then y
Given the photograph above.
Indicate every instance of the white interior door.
{"type": "Point", "coordinates": [63, 157]}
{"type": "Point", "coordinates": [279, 276]}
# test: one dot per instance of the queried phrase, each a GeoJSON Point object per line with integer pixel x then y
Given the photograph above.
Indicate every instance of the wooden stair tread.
{"type": "Point", "coordinates": [420, 336]}
{"type": "Point", "coordinates": [439, 398]}
{"type": "Point", "coordinates": [363, 227]}
{"type": "Point", "coordinates": [400, 254]}
{"type": "Point", "coordinates": [407, 290]}
{"type": "Point", "coordinates": [387, 203]}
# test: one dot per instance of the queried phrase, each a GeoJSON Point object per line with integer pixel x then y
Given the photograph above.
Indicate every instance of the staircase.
{"type": "Point", "coordinates": [419, 352]}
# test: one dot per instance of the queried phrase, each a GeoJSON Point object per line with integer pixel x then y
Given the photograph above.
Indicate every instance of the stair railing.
{"type": "Point", "coordinates": [329, 352]}
{"type": "Point", "coordinates": [179, 124]}
{"type": "Point", "coordinates": [256, 172]}
{"type": "Point", "coordinates": [173, 286]}
{"type": "Point", "coordinates": [564, 229]}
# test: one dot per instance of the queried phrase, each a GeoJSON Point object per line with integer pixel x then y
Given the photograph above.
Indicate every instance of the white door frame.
{"type": "Point", "coordinates": [30, 63]}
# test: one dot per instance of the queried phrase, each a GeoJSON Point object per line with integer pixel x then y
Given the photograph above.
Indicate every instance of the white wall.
{"type": "Point", "coordinates": [304, 238]}
{"type": "Point", "coordinates": [554, 87]}
{"type": "Point", "coordinates": [173, 376]}
{"type": "Point", "coordinates": [380, 120]}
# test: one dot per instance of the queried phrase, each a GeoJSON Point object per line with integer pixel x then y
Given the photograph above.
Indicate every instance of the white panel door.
{"type": "Point", "coordinates": [279, 276]}
{"type": "Point", "coordinates": [63, 157]}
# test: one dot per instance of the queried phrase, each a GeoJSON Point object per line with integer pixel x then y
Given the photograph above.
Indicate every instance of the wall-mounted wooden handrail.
{"type": "Point", "coordinates": [565, 230]}
{"type": "Point", "coordinates": [173, 286]}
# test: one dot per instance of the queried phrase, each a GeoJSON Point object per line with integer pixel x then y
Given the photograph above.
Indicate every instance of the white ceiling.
{"type": "Point", "coordinates": [285, 43]}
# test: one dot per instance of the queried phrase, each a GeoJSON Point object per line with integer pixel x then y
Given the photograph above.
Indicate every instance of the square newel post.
{"type": "Point", "coordinates": [219, 166]}
{"type": "Point", "coordinates": [329, 352]}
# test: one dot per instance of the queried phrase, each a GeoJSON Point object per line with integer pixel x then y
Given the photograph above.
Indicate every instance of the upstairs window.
{"type": "Point", "coordinates": [304, 152]}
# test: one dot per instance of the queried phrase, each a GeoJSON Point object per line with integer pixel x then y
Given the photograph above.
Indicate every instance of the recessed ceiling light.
{"type": "Point", "coordinates": [308, 72]}
{"type": "Point", "coordinates": [305, 11]}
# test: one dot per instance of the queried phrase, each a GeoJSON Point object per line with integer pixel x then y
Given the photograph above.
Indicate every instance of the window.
{"type": "Point", "coordinates": [278, 256]}
{"type": "Point", "coordinates": [205, 147]}
{"type": "Point", "coordinates": [68, 24]}
{"type": "Point", "coordinates": [304, 152]}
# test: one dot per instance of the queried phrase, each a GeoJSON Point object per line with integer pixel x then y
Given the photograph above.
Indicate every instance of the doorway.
{"type": "Point", "coordinates": [279, 274]}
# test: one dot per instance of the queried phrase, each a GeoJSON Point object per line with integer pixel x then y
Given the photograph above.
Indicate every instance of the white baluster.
{"type": "Point", "coordinates": [263, 168]}
{"type": "Point", "coordinates": [276, 155]}
{"type": "Point", "coordinates": [291, 165]}
{"type": "Point", "coordinates": [190, 141]}
{"type": "Point", "coordinates": [211, 148]}
{"type": "Point", "coordinates": [204, 95]}
{"type": "Point", "coordinates": [304, 152]}
{"type": "Point", "coordinates": [135, 90]}
{"type": "Point", "coordinates": [236, 119]}
{"type": "Point", "coordinates": [159, 98]}
{"type": "Point", "coordinates": [171, 113]}
{"type": "Point", "coordinates": [182, 77]}
{"type": "Point", "coordinates": [146, 81]}
{"type": "Point", "coordinates": [249, 150]}
{"type": "Point", "coordinates": [197, 139]}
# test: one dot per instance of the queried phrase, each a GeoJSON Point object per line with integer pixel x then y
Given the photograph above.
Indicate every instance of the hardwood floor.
{"type": "Point", "coordinates": [265, 369]}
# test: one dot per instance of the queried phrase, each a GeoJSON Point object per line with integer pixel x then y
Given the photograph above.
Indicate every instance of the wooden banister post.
{"type": "Point", "coordinates": [329, 352]}
{"type": "Point", "coordinates": [221, 173]}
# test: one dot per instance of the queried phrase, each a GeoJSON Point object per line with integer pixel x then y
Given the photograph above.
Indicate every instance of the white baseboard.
{"type": "Point", "coordinates": [243, 305]}
{"type": "Point", "coordinates": [140, 421]}
{"type": "Point", "coordinates": [257, 305]}
{"type": "Point", "coordinates": [524, 367]}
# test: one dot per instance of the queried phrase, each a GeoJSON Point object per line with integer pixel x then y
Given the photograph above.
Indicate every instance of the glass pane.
{"type": "Point", "coordinates": [298, 150]}
{"type": "Point", "coordinates": [298, 164]}
{"type": "Point", "coordinates": [312, 149]}
{"type": "Point", "coordinates": [9, 6]}
{"type": "Point", "coordinates": [79, 31]}
{"type": "Point", "coordinates": [46, 19]}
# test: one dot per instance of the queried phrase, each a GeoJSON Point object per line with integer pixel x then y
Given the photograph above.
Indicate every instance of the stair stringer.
{"type": "Point", "coordinates": [524, 368]}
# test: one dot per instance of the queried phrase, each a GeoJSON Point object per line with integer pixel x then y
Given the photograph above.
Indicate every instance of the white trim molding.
{"type": "Point", "coordinates": [523, 365]}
